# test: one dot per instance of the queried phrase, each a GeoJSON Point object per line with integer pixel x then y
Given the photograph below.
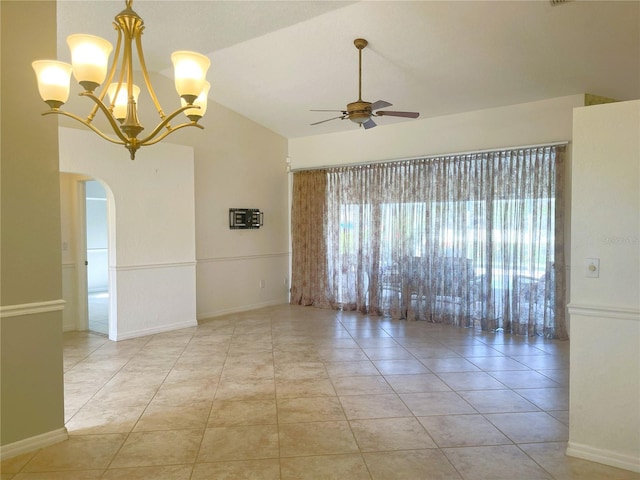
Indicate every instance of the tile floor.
{"type": "Point", "coordinates": [301, 393]}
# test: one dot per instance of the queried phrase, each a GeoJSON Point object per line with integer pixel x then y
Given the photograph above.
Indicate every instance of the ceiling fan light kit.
{"type": "Point", "coordinates": [362, 112]}
{"type": "Point", "coordinates": [89, 59]}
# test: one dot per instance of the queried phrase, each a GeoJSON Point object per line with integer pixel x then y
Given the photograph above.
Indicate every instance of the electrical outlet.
{"type": "Point", "coordinates": [263, 284]}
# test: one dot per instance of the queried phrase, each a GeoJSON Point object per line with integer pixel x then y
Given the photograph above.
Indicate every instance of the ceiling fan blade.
{"type": "Point", "coordinates": [343, 111]}
{"type": "Point", "coordinates": [327, 120]}
{"type": "Point", "coordinates": [369, 124]}
{"type": "Point", "coordinates": [380, 104]}
{"type": "Point", "coordinates": [398, 114]}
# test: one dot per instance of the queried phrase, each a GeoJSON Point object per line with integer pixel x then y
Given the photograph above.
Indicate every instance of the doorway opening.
{"type": "Point", "coordinates": [97, 257]}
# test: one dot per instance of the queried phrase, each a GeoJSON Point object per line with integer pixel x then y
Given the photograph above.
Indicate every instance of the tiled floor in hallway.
{"type": "Point", "coordinates": [302, 393]}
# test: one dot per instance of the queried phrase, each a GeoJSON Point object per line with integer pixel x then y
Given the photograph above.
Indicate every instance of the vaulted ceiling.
{"type": "Point", "coordinates": [273, 61]}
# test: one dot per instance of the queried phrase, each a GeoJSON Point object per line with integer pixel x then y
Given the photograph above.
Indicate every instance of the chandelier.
{"type": "Point", "coordinates": [89, 59]}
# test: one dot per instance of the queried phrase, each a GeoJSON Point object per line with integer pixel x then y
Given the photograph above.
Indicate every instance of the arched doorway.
{"type": "Point", "coordinates": [88, 249]}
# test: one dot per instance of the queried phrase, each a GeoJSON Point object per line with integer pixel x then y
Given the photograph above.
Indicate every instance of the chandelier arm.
{"type": "Point", "coordinates": [173, 129]}
{"type": "Point", "coordinates": [165, 122]}
{"type": "Point", "coordinates": [145, 75]}
{"type": "Point", "coordinates": [112, 120]}
{"type": "Point", "coordinates": [112, 72]}
{"type": "Point", "coordinates": [87, 124]}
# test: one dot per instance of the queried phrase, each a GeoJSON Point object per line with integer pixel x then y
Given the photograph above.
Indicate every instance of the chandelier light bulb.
{"type": "Point", "coordinates": [121, 100]}
{"type": "Point", "coordinates": [53, 81]}
{"type": "Point", "coordinates": [190, 71]}
{"type": "Point", "coordinates": [194, 114]}
{"type": "Point", "coordinates": [89, 57]}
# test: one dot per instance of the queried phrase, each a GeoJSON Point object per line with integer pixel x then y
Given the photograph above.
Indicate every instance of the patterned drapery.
{"type": "Point", "coordinates": [471, 240]}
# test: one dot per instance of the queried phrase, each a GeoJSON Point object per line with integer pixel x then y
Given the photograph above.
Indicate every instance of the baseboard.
{"type": "Point", "coordinates": [152, 331]}
{"type": "Point", "coordinates": [607, 457]}
{"type": "Point", "coordinates": [33, 443]}
{"type": "Point", "coordinates": [240, 309]}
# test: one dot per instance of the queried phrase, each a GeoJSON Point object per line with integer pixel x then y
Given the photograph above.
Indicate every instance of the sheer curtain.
{"type": "Point", "coordinates": [473, 240]}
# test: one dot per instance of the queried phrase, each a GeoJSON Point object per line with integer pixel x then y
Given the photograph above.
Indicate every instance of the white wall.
{"type": "Point", "coordinates": [152, 230]}
{"type": "Point", "coordinates": [605, 311]}
{"type": "Point", "coordinates": [239, 163]}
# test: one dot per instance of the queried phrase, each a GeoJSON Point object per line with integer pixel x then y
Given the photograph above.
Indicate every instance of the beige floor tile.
{"type": "Point", "coordinates": [552, 457]}
{"type": "Point", "coordinates": [95, 418]}
{"type": "Point", "coordinates": [351, 369]}
{"type": "Point", "coordinates": [470, 381]}
{"type": "Point", "coordinates": [369, 385]}
{"type": "Point", "coordinates": [249, 371]}
{"type": "Point", "coordinates": [167, 447]}
{"type": "Point", "coordinates": [412, 464]}
{"type": "Point", "coordinates": [268, 469]}
{"type": "Point", "coordinates": [282, 356]}
{"type": "Point", "coordinates": [494, 364]}
{"type": "Point", "coordinates": [560, 376]}
{"type": "Point", "coordinates": [309, 409]}
{"type": "Point", "coordinates": [547, 398]}
{"type": "Point", "coordinates": [424, 382]}
{"type": "Point", "coordinates": [190, 416]}
{"type": "Point", "coordinates": [530, 427]}
{"type": "Point", "coordinates": [239, 443]}
{"type": "Point", "coordinates": [400, 367]}
{"type": "Point", "coordinates": [301, 371]}
{"type": "Point", "coordinates": [497, 401]}
{"type": "Point", "coordinates": [449, 364]}
{"type": "Point", "coordinates": [524, 379]}
{"type": "Point", "coordinates": [259, 389]}
{"type": "Point", "coordinates": [309, 369]}
{"type": "Point", "coordinates": [319, 438]}
{"type": "Point", "coordinates": [474, 350]}
{"type": "Point", "coordinates": [170, 472]}
{"type": "Point", "coordinates": [306, 387]}
{"type": "Point", "coordinates": [82, 452]}
{"type": "Point", "coordinates": [388, 353]}
{"type": "Point", "coordinates": [326, 467]}
{"type": "Point", "coordinates": [69, 475]}
{"type": "Point", "coordinates": [374, 406]}
{"type": "Point", "coordinates": [386, 434]}
{"type": "Point", "coordinates": [561, 415]}
{"type": "Point", "coordinates": [375, 343]}
{"type": "Point", "coordinates": [463, 431]}
{"type": "Point", "coordinates": [114, 396]}
{"type": "Point", "coordinates": [422, 352]}
{"type": "Point", "coordinates": [330, 354]}
{"type": "Point", "coordinates": [15, 464]}
{"type": "Point", "coordinates": [243, 412]}
{"type": "Point", "coordinates": [436, 403]}
{"type": "Point", "coordinates": [193, 373]}
{"type": "Point", "coordinates": [504, 462]}
{"type": "Point", "coordinates": [185, 393]}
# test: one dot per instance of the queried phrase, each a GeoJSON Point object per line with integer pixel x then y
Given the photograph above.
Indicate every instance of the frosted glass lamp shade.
{"type": "Point", "coordinates": [53, 81]}
{"type": "Point", "coordinates": [89, 57]}
{"type": "Point", "coordinates": [120, 101]}
{"type": "Point", "coordinates": [195, 114]}
{"type": "Point", "coordinates": [190, 70]}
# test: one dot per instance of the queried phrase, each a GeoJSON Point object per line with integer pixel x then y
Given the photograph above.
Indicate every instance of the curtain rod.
{"type": "Point", "coordinates": [427, 157]}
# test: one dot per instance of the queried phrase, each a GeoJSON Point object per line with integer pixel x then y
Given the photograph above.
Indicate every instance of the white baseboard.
{"type": "Point", "coordinates": [607, 457]}
{"type": "Point", "coordinates": [33, 443]}
{"type": "Point", "coordinates": [240, 309]}
{"type": "Point", "coordinates": [152, 331]}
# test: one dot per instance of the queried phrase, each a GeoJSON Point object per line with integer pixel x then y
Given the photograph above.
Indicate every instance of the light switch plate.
{"type": "Point", "coordinates": [592, 269]}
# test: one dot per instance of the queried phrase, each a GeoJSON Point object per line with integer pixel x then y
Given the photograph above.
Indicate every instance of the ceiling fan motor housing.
{"type": "Point", "coordinates": [359, 112]}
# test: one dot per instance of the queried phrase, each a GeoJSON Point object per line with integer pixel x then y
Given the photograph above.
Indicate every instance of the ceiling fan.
{"type": "Point", "coordinates": [362, 112]}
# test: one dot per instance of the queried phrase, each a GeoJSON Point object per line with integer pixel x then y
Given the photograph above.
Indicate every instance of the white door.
{"type": "Point", "coordinates": [97, 257]}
